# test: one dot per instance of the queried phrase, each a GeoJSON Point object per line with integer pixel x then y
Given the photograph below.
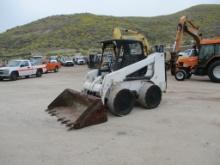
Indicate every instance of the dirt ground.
{"type": "Point", "coordinates": [183, 130]}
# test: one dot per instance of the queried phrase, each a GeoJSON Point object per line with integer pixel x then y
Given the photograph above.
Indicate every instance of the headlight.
{"type": "Point", "coordinates": [6, 71]}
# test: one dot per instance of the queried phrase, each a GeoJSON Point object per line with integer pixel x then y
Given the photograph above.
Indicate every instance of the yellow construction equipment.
{"type": "Point", "coordinates": [127, 34]}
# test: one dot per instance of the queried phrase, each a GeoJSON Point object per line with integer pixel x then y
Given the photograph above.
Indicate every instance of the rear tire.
{"type": "Point", "coordinates": [214, 71]}
{"type": "Point", "coordinates": [14, 76]}
{"type": "Point", "coordinates": [180, 75]}
{"type": "Point", "coordinates": [150, 96]}
{"type": "Point", "coordinates": [39, 73]}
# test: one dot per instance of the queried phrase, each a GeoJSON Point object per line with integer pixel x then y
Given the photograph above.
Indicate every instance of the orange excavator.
{"type": "Point", "coordinates": [206, 57]}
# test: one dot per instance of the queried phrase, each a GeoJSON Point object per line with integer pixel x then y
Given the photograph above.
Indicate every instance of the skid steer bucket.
{"type": "Point", "coordinates": [77, 110]}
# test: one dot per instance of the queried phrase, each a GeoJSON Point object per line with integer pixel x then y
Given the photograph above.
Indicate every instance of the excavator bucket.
{"type": "Point", "coordinates": [77, 110]}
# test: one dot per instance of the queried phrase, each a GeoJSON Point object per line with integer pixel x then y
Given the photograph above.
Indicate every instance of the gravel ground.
{"type": "Point", "coordinates": [183, 130]}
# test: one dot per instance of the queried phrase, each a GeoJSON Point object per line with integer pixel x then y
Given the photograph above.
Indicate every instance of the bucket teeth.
{"type": "Point", "coordinates": [77, 110]}
{"type": "Point", "coordinates": [70, 125]}
{"type": "Point", "coordinates": [58, 119]}
{"type": "Point", "coordinates": [64, 121]}
{"type": "Point", "coordinates": [71, 128]}
{"type": "Point", "coordinates": [51, 112]}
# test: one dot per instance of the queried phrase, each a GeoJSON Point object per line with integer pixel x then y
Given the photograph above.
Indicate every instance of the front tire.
{"type": "Point", "coordinates": [56, 69]}
{"type": "Point", "coordinates": [121, 102]}
{"type": "Point", "coordinates": [14, 76]}
{"type": "Point", "coordinates": [180, 75]}
{"type": "Point", "coordinates": [214, 71]}
{"type": "Point", "coordinates": [39, 73]}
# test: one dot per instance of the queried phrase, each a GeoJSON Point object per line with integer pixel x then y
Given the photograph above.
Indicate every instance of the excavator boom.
{"type": "Point", "coordinates": [186, 26]}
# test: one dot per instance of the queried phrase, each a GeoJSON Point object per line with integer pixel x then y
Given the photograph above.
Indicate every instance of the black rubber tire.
{"type": "Point", "coordinates": [211, 69]}
{"type": "Point", "coordinates": [188, 75]}
{"type": "Point", "coordinates": [27, 76]}
{"type": "Point", "coordinates": [14, 76]}
{"type": "Point", "coordinates": [1, 78]}
{"type": "Point", "coordinates": [123, 103]}
{"type": "Point", "coordinates": [172, 70]}
{"type": "Point", "coordinates": [38, 73]}
{"type": "Point", "coordinates": [180, 75]}
{"type": "Point", "coordinates": [56, 69]}
{"type": "Point", "coordinates": [153, 97]}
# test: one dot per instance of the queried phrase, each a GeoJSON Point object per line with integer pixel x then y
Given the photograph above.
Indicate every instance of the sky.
{"type": "Point", "coordinates": [18, 12]}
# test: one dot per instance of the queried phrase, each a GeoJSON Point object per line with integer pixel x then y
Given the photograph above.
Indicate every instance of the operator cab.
{"type": "Point", "coordinates": [117, 54]}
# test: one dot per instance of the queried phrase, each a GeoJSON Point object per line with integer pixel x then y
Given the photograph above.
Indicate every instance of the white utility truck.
{"type": "Point", "coordinates": [19, 68]}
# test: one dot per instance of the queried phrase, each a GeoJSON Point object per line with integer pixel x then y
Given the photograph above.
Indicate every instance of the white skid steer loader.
{"type": "Point", "coordinates": [125, 76]}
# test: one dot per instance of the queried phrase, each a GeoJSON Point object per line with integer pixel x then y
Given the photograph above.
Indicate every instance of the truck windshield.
{"type": "Point", "coordinates": [67, 59]}
{"type": "Point", "coordinates": [14, 63]}
{"type": "Point", "coordinates": [36, 61]}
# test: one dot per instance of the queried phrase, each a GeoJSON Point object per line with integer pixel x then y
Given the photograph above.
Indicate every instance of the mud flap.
{"type": "Point", "coordinates": [77, 110]}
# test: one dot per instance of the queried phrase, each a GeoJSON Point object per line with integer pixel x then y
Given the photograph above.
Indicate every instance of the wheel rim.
{"type": "Point", "coordinates": [179, 75]}
{"type": "Point", "coordinates": [14, 76]}
{"type": "Point", "coordinates": [216, 72]}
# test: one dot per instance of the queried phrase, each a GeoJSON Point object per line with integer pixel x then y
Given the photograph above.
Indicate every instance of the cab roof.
{"type": "Point", "coordinates": [18, 60]}
{"type": "Point", "coordinates": [210, 41]}
{"type": "Point", "coordinates": [119, 41]}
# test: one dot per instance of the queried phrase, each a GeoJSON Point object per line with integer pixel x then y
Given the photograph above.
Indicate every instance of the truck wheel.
{"type": "Point", "coordinates": [214, 71]}
{"type": "Point", "coordinates": [188, 75]}
{"type": "Point", "coordinates": [180, 75]}
{"type": "Point", "coordinates": [1, 78]}
{"type": "Point", "coordinates": [39, 73]}
{"type": "Point", "coordinates": [56, 69]}
{"type": "Point", "coordinates": [14, 76]}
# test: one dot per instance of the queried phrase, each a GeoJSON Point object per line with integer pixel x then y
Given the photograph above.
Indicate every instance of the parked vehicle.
{"type": "Point", "coordinates": [37, 61]}
{"type": "Point", "coordinates": [93, 61]}
{"type": "Point", "coordinates": [53, 58]}
{"type": "Point", "coordinates": [53, 66]}
{"type": "Point", "coordinates": [47, 65]}
{"type": "Point", "coordinates": [80, 60]}
{"type": "Point", "coordinates": [19, 68]}
{"type": "Point", "coordinates": [67, 61]}
{"type": "Point", "coordinates": [204, 62]}
{"type": "Point", "coordinates": [188, 52]}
